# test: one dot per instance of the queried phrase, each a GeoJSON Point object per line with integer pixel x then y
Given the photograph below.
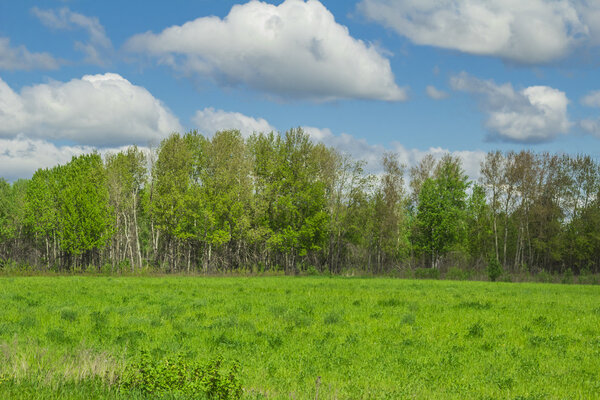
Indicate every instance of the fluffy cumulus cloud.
{"type": "Point", "coordinates": [372, 154]}
{"type": "Point", "coordinates": [97, 49]}
{"type": "Point", "coordinates": [99, 110]}
{"type": "Point", "coordinates": [532, 115]}
{"type": "Point", "coordinates": [19, 58]}
{"type": "Point", "coordinates": [435, 94]}
{"type": "Point", "coordinates": [529, 32]}
{"type": "Point", "coordinates": [209, 121]}
{"type": "Point", "coordinates": [293, 50]}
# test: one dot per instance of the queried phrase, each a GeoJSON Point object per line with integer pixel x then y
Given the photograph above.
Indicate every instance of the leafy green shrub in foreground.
{"type": "Point", "coordinates": [180, 377]}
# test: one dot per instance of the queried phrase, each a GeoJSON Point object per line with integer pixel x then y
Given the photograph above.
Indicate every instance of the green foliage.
{"type": "Point", "coordinates": [458, 274]}
{"type": "Point", "coordinates": [494, 269]}
{"type": "Point", "coordinates": [290, 194]}
{"type": "Point", "coordinates": [312, 270]}
{"type": "Point", "coordinates": [174, 375]}
{"type": "Point", "coordinates": [567, 276]}
{"type": "Point", "coordinates": [441, 210]}
{"type": "Point", "coordinates": [427, 273]}
{"type": "Point", "coordinates": [85, 215]}
{"type": "Point", "coordinates": [544, 276]}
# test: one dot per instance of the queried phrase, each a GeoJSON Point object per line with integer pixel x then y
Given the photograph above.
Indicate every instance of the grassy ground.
{"type": "Point", "coordinates": [72, 337]}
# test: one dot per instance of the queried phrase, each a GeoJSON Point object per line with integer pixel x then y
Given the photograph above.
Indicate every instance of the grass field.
{"type": "Point", "coordinates": [73, 337]}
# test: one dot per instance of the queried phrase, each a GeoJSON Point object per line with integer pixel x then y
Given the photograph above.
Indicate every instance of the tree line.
{"type": "Point", "coordinates": [284, 203]}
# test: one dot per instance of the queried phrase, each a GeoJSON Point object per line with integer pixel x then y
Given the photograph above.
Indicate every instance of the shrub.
{"type": "Point", "coordinates": [588, 278]}
{"type": "Point", "coordinates": [544, 276]}
{"type": "Point", "coordinates": [427, 273]}
{"type": "Point", "coordinates": [312, 270]}
{"type": "Point", "coordinates": [567, 276]}
{"type": "Point", "coordinates": [180, 377]}
{"type": "Point", "coordinates": [494, 269]}
{"type": "Point", "coordinates": [457, 274]}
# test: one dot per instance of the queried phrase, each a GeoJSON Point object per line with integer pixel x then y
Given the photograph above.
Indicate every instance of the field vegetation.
{"type": "Point", "coordinates": [82, 337]}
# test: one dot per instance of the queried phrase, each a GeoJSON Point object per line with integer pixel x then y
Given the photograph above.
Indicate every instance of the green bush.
{"type": "Point", "coordinates": [544, 276]}
{"type": "Point", "coordinates": [494, 269]}
{"type": "Point", "coordinates": [312, 270]}
{"type": "Point", "coordinates": [457, 274]}
{"type": "Point", "coordinates": [567, 276]}
{"type": "Point", "coordinates": [587, 278]}
{"type": "Point", "coordinates": [181, 377]}
{"type": "Point", "coordinates": [427, 273]}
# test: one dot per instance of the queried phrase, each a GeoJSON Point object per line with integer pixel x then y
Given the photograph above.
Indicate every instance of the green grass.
{"type": "Point", "coordinates": [73, 337]}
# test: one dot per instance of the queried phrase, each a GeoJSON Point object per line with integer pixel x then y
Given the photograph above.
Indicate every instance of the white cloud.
{"type": "Point", "coordinates": [359, 149]}
{"type": "Point", "coordinates": [209, 121]}
{"type": "Point", "coordinates": [372, 154]}
{"type": "Point", "coordinates": [19, 58]}
{"type": "Point", "coordinates": [21, 156]}
{"type": "Point", "coordinates": [294, 50]}
{"type": "Point", "coordinates": [531, 31]}
{"type": "Point", "coordinates": [99, 47]}
{"type": "Point", "coordinates": [591, 126]}
{"type": "Point", "coordinates": [101, 110]}
{"type": "Point", "coordinates": [435, 93]}
{"type": "Point", "coordinates": [592, 99]}
{"type": "Point", "coordinates": [532, 115]}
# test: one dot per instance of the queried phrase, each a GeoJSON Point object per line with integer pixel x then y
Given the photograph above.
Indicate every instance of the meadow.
{"type": "Point", "coordinates": [304, 337]}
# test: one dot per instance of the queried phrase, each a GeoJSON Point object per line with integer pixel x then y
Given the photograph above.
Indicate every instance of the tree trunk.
{"type": "Point", "coordinates": [137, 234]}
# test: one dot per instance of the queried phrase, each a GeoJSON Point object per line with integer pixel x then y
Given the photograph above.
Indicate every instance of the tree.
{"type": "Point", "coordinates": [297, 215]}
{"type": "Point", "coordinates": [126, 176]}
{"type": "Point", "coordinates": [85, 217]}
{"type": "Point", "coordinates": [480, 235]}
{"type": "Point", "coordinates": [349, 212]}
{"type": "Point", "coordinates": [492, 171]}
{"type": "Point", "coordinates": [171, 180]}
{"type": "Point", "coordinates": [418, 175]}
{"type": "Point", "coordinates": [8, 230]}
{"type": "Point", "coordinates": [42, 212]}
{"type": "Point", "coordinates": [389, 205]}
{"type": "Point", "coordinates": [440, 218]}
{"type": "Point", "coordinates": [227, 190]}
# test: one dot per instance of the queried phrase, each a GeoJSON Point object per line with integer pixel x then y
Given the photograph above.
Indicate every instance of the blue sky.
{"type": "Point", "coordinates": [367, 76]}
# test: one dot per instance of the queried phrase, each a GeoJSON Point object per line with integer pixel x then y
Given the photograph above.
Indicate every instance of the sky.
{"type": "Point", "coordinates": [407, 76]}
